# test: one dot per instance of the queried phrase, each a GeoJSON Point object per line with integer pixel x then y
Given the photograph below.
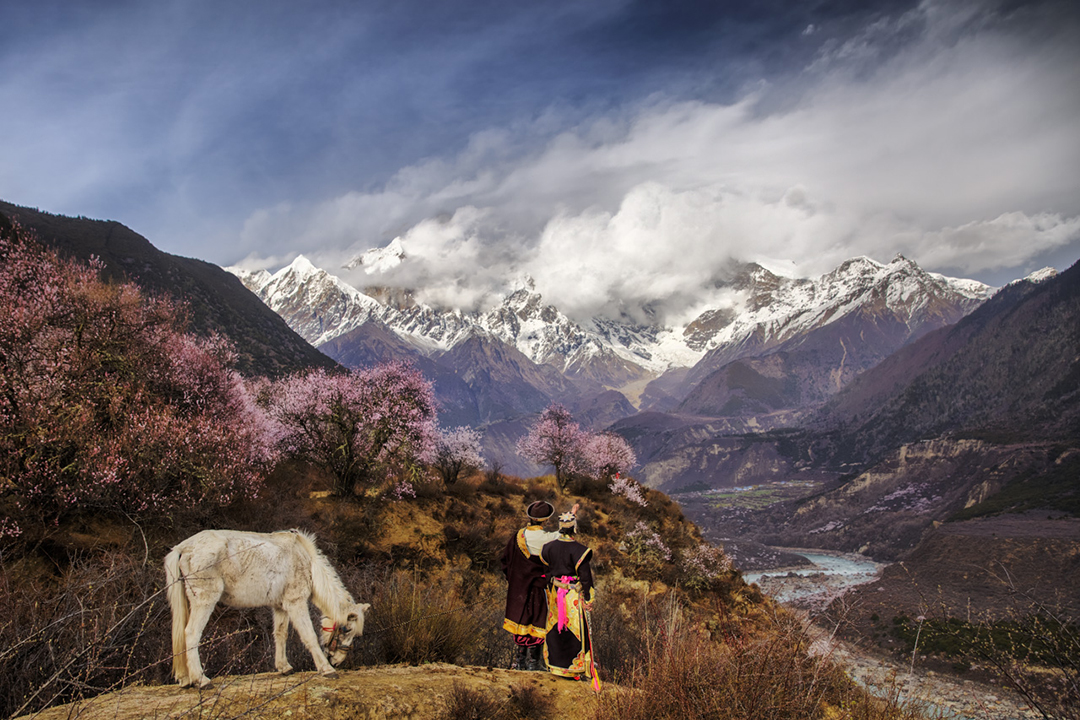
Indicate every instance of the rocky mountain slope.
{"type": "Point", "coordinates": [977, 418]}
{"type": "Point", "coordinates": [1011, 369]}
{"type": "Point", "coordinates": [817, 333]}
{"type": "Point", "coordinates": [830, 328]}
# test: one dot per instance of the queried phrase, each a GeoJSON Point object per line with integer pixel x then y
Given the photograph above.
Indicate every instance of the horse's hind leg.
{"type": "Point", "coordinates": [301, 620]}
{"type": "Point", "coordinates": [200, 615]}
{"type": "Point", "coordinates": [281, 635]}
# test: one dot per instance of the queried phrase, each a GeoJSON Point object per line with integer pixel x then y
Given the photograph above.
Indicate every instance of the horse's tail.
{"type": "Point", "coordinates": [174, 585]}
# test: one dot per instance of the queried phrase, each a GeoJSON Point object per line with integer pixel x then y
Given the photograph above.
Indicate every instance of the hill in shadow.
{"type": "Point", "coordinates": [217, 301]}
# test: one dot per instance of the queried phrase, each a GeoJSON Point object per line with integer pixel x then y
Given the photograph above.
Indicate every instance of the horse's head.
{"type": "Point", "coordinates": [337, 639]}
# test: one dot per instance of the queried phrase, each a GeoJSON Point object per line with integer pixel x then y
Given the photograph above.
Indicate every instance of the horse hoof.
{"type": "Point", "coordinates": [205, 683]}
{"type": "Point", "coordinates": [287, 671]}
{"type": "Point", "coordinates": [332, 675]}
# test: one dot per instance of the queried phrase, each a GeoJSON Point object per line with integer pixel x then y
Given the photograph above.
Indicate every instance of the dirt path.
{"type": "Point", "coordinates": [399, 692]}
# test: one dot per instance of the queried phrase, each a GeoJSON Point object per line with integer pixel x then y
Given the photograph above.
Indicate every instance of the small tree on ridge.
{"type": "Point", "coordinates": [607, 454]}
{"type": "Point", "coordinates": [457, 450]}
{"type": "Point", "coordinates": [556, 440]}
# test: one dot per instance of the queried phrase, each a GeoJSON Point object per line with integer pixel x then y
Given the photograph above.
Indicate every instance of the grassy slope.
{"type": "Point", "coordinates": [87, 616]}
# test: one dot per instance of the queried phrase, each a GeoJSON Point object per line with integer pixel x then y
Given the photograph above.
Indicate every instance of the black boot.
{"type": "Point", "coordinates": [534, 660]}
{"type": "Point", "coordinates": [518, 663]}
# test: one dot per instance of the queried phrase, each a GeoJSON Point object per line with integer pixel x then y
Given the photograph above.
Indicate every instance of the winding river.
{"type": "Point", "coordinates": [839, 569]}
{"type": "Point", "coordinates": [944, 697]}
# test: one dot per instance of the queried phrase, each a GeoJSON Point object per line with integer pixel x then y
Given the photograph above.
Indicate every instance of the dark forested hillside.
{"type": "Point", "coordinates": [217, 301]}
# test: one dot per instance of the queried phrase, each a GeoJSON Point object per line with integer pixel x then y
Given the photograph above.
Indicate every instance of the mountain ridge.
{"type": "Point", "coordinates": [215, 300]}
{"type": "Point", "coordinates": [769, 311]}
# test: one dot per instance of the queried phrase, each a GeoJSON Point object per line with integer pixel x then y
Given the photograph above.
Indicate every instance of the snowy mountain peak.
{"type": "Point", "coordinates": [302, 267]}
{"type": "Point", "coordinates": [523, 282]}
{"type": "Point", "coordinates": [1042, 275]}
{"type": "Point", "coordinates": [380, 260]}
{"type": "Point", "coordinates": [253, 280]}
{"type": "Point", "coordinates": [760, 309]}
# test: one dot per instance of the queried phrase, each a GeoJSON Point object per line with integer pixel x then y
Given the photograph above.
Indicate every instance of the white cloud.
{"type": "Point", "coordinates": [1007, 241]}
{"type": "Point", "coordinates": [942, 134]}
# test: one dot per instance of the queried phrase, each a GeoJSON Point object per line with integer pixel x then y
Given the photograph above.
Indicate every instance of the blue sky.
{"type": "Point", "coordinates": [618, 152]}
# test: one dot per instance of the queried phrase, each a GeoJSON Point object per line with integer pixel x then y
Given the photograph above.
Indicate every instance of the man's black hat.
{"type": "Point", "coordinates": [540, 510]}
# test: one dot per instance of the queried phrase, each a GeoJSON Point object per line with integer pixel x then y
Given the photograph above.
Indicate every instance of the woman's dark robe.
{"type": "Point", "coordinates": [568, 651]}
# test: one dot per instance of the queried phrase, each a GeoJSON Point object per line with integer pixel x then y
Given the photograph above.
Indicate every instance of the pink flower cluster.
{"type": "Point", "coordinates": [645, 546]}
{"type": "Point", "coordinates": [361, 425]}
{"type": "Point", "coordinates": [402, 490]}
{"type": "Point", "coordinates": [628, 488]}
{"type": "Point", "coordinates": [703, 564]}
{"type": "Point", "coordinates": [106, 401]}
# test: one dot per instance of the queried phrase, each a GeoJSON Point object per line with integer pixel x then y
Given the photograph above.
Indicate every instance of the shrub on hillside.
{"type": "Point", "coordinates": [107, 404]}
{"type": "Point", "coordinates": [420, 619]}
{"type": "Point", "coordinates": [702, 566]}
{"type": "Point", "coordinates": [766, 675]}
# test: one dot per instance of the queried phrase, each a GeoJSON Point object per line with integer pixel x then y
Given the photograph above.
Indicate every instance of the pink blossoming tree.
{"type": "Point", "coordinates": [360, 425]}
{"type": "Point", "coordinates": [607, 454]}
{"type": "Point", "coordinates": [555, 440]}
{"type": "Point", "coordinates": [106, 403]}
{"type": "Point", "coordinates": [702, 565]}
{"type": "Point", "coordinates": [457, 450]}
{"type": "Point", "coordinates": [628, 488]}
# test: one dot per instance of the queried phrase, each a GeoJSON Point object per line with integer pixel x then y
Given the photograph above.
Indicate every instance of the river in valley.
{"type": "Point", "coordinates": [813, 588]}
{"type": "Point", "coordinates": [830, 574]}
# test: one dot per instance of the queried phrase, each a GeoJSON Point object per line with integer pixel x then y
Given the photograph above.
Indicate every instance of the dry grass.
{"type": "Point", "coordinates": [524, 702]}
{"type": "Point", "coordinates": [683, 674]}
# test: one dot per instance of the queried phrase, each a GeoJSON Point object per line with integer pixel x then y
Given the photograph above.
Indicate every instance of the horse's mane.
{"type": "Point", "coordinates": [327, 590]}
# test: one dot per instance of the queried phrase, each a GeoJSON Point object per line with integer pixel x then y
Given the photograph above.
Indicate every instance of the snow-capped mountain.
{"type": "Point", "coordinates": [764, 312]}
{"type": "Point", "coordinates": [900, 299]}
{"type": "Point", "coordinates": [322, 307]}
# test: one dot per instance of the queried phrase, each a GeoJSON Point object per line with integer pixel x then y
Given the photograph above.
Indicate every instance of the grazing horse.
{"type": "Point", "coordinates": [282, 570]}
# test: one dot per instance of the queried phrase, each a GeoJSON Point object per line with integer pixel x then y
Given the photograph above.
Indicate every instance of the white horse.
{"type": "Point", "coordinates": [282, 570]}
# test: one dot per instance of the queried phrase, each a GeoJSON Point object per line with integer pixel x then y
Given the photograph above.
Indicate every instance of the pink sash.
{"type": "Point", "coordinates": [564, 617]}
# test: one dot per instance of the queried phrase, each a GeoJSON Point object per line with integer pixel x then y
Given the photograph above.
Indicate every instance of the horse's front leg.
{"type": "Point", "coordinates": [301, 620]}
{"type": "Point", "coordinates": [281, 635]}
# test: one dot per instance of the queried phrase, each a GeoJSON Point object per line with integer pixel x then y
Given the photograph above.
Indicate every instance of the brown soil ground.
{"type": "Point", "coordinates": [412, 693]}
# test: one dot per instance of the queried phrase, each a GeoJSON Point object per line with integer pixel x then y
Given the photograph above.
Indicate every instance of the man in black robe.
{"type": "Point", "coordinates": [526, 602]}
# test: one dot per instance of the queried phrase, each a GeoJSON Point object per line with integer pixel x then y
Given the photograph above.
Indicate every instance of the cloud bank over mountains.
{"type": "Point", "coordinates": [946, 133]}
{"type": "Point", "coordinates": [615, 150]}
